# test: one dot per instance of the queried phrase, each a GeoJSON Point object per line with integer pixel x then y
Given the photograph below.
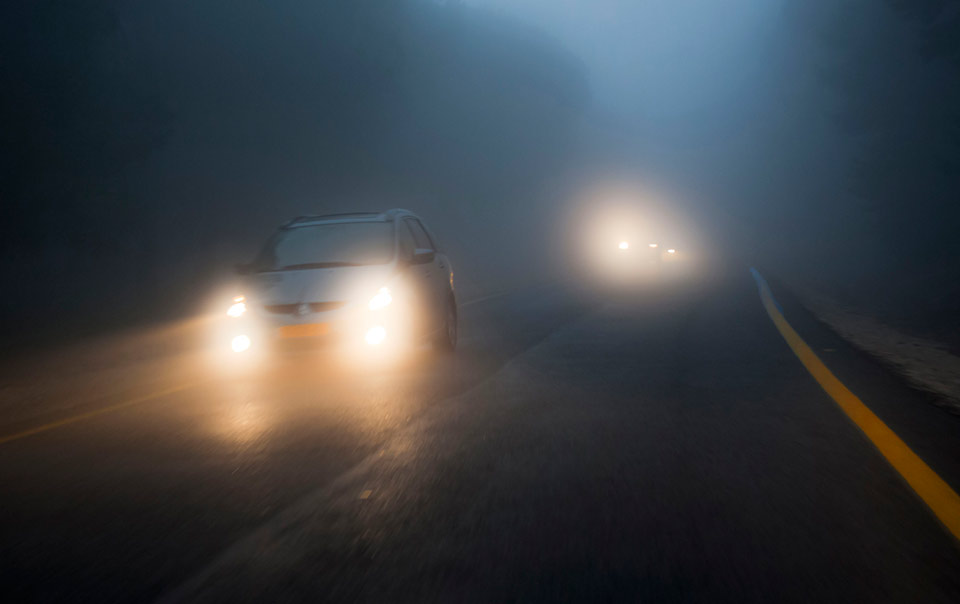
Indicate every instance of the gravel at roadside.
{"type": "Point", "coordinates": [925, 363]}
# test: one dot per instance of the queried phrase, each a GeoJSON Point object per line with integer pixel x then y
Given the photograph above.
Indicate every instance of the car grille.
{"type": "Point", "coordinates": [291, 309]}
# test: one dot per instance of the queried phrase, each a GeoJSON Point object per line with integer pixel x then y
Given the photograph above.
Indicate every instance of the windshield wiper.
{"type": "Point", "coordinates": [308, 265]}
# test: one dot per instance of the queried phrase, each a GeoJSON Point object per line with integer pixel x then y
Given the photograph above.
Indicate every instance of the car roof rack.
{"type": "Point", "coordinates": [336, 216]}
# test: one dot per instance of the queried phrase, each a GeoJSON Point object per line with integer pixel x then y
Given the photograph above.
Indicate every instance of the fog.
{"type": "Point", "coordinates": [149, 148]}
{"type": "Point", "coordinates": [819, 140]}
{"type": "Point", "coordinates": [480, 300]}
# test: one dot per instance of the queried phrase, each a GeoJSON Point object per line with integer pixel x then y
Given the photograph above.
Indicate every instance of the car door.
{"type": "Point", "coordinates": [442, 272]}
{"type": "Point", "coordinates": [430, 272]}
{"type": "Point", "coordinates": [416, 278]}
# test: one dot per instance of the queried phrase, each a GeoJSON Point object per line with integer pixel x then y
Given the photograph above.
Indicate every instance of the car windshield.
{"type": "Point", "coordinates": [329, 245]}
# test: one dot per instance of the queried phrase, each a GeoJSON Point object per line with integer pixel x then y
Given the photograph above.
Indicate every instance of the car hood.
{"type": "Point", "coordinates": [337, 284]}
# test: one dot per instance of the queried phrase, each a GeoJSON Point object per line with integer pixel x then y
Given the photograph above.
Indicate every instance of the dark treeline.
{"type": "Point", "coordinates": [148, 146]}
{"type": "Point", "coordinates": [894, 68]}
{"type": "Point", "coordinates": [849, 169]}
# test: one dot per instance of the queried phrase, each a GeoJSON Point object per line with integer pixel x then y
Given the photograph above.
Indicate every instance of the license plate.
{"type": "Point", "coordinates": [306, 330]}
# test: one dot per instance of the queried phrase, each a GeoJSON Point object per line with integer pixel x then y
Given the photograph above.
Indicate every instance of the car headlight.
{"type": "Point", "coordinates": [382, 299]}
{"type": "Point", "coordinates": [240, 343]}
{"type": "Point", "coordinates": [376, 335]}
{"type": "Point", "coordinates": [238, 308]}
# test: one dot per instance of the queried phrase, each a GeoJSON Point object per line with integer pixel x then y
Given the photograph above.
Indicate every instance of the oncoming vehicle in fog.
{"type": "Point", "coordinates": [633, 258]}
{"type": "Point", "coordinates": [367, 280]}
{"type": "Point", "coordinates": [652, 252]}
{"type": "Point", "coordinates": [630, 249]}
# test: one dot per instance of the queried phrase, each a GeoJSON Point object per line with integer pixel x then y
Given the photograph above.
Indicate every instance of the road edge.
{"type": "Point", "coordinates": [938, 496]}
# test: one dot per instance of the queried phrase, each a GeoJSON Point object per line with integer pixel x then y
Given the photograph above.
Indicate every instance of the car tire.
{"type": "Point", "coordinates": [446, 338]}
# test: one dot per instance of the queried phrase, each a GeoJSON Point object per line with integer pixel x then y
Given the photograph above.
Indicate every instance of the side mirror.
{"type": "Point", "coordinates": [243, 269]}
{"type": "Point", "coordinates": [422, 256]}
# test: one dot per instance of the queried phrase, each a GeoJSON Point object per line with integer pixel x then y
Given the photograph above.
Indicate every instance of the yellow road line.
{"type": "Point", "coordinates": [88, 415]}
{"type": "Point", "coordinates": [932, 489]}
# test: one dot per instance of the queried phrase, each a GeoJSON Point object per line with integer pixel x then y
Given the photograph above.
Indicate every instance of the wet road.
{"type": "Point", "coordinates": [664, 447]}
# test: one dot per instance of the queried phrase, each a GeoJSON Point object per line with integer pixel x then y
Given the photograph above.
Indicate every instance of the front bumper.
{"type": "Point", "coordinates": [361, 330]}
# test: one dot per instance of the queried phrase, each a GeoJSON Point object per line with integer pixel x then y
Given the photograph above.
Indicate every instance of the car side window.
{"type": "Point", "coordinates": [407, 241]}
{"type": "Point", "coordinates": [420, 235]}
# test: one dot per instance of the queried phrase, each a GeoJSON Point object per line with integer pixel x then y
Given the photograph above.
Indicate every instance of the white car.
{"type": "Point", "coordinates": [374, 280]}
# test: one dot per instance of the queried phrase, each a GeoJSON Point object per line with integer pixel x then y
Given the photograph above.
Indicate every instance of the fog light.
{"type": "Point", "coordinates": [376, 335]}
{"type": "Point", "coordinates": [624, 245]}
{"type": "Point", "coordinates": [240, 343]}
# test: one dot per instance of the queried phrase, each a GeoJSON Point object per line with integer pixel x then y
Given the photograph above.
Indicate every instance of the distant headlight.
{"type": "Point", "coordinates": [671, 251]}
{"type": "Point", "coordinates": [624, 245]}
{"type": "Point", "coordinates": [238, 307]}
{"type": "Point", "coordinates": [653, 245]}
{"type": "Point", "coordinates": [382, 299]}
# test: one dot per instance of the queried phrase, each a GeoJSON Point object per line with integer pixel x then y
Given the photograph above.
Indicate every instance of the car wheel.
{"type": "Point", "coordinates": [446, 339]}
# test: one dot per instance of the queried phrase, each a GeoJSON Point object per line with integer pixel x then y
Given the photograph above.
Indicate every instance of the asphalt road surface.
{"type": "Point", "coordinates": [659, 446]}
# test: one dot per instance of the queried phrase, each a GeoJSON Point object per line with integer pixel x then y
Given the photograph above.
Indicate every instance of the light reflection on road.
{"type": "Point", "coordinates": [244, 417]}
{"type": "Point", "coordinates": [252, 409]}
